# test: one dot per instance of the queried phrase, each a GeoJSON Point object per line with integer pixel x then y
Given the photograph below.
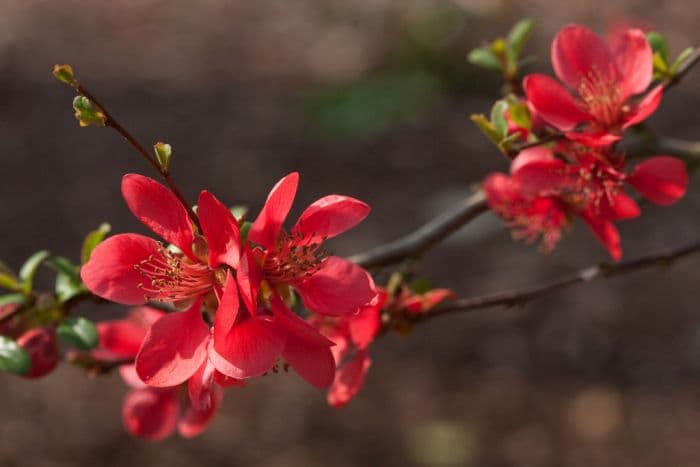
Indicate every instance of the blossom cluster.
{"type": "Point", "coordinates": [570, 165]}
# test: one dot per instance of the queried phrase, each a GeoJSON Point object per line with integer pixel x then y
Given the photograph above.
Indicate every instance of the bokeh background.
{"type": "Point", "coordinates": [369, 98]}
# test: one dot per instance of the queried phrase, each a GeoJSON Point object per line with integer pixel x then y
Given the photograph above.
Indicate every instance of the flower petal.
{"type": "Point", "coordinates": [606, 233]}
{"type": "Point", "coordinates": [364, 327]}
{"type": "Point", "coordinates": [266, 227]}
{"type": "Point", "coordinates": [250, 349]}
{"type": "Point", "coordinates": [249, 276]}
{"type": "Point", "coordinates": [349, 379]}
{"type": "Point", "coordinates": [110, 273]}
{"type": "Point", "coordinates": [553, 103]}
{"type": "Point", "coordinates": [537, 171]}
{"type": "Point", "coordinates": [221, 231]}
{"type": "Point", "coordinates": [339, 287]}
{"type": "Point", "coordinates": [174, 348]}
{"type": "Point", "coordinates": [227, 312]}
{"type": "Point", "coordinates": [160, 210]}
{"type": "Point", "coordinates": [594, 138]}
{"type": "Point", "coordinates": [578, 52]}
{"type": "Point", "coordinates": [294, 325]}
{"type": "Point", "coordinates": [661, 179]}
{"type": "Point", "coordinates": [312, 362]}
{"type": "Point", "coordinates": [623, 207]}
{"type": "Point", "coordinates": [645, 108]}
{"type": "Point", "coordinates": [634, 61]}
{"type": "Point", "coordinates": [150, 413]}
{"type": "Point", "coordinates": [199, 386]}
{"type": "Point", "coordinates": [330, 216]}
{"type": "Point", "coordinates": [194, 421]}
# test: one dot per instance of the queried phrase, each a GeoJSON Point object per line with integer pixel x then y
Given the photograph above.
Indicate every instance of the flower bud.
{"type": "Point", "coordinates": [40, 344]}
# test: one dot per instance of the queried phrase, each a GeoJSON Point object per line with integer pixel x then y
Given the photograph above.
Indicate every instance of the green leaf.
{"type": "Point", "coordinates": [682, 57]}
{"type": "Point", "coordinates": [79, 332]}
{"type": "Point", "coordinates": [421, 286]}
{"type": "Point", "coordinates": [29, 269]}
{"type": "Point", "coordinates": [13, 358]}
{"type": "Point", "coordinates": [64, 73]}
{"type": "Point", "coordinates": [518, 37]}
{"type": "Point", "coordinates": [93, 239]}
{"type": "Point", "coordinates": [67, 287]}
{"type": "Point", "coordinates": [10, 282]}
{"type": "Point", "coordinates": [239, 212]}
{"type": "Point", "coordinates": [658, 45]}
{"type": "Point", "coordinates": [245, 228]}
{"type": "Point", "coordinates": [484, 58]}
{"type": "Point", "coordinates": [164, 153]}
{"type": "Point", "coordinates": [486, 127]}
{"type": "Point", "coordinates": [520, 114]}
{"type": "Point", "coordinates": [65, 266]}
{"type": "Point", "coordinates": [87, 113]}
{"type": "Point", "coordinates": [660, 66]}
{"type": "Point", "coordinates": [17, 298]}
{"type": "Point", "coordinates": [498, 118]}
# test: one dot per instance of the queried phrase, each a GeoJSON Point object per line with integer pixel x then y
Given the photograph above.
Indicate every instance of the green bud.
{"type": "Point", "coordinates": [163, 154]}
{"type": "Point", "coordinates": [87, 113]}
{"type": "Point", "coordinates": [64, 73]}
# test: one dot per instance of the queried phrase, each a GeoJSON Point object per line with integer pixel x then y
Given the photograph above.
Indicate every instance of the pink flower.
{"type": "Point", "coordinates": [40, 344]}
{"type": "Point", "coordinates": [327, 284]}
{"type": "Point", "coordinates": [132, 269]}
{"type": "Point", "coordinates": [603, 79]}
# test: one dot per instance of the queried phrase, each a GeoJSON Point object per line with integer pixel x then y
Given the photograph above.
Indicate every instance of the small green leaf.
{"type": "Point", "coordinates": [486, 127]}
{"type": "Point", "coordinates": [682, 57]}
{"type": "Point", "coordinates": [64, 73]}
{"type": "Point", "coordinates": [239, 212]}
{"type": "Point", "coordinates": [13, 298]}
{"type": "Point", "coordinates": [483, 57]}
{"type": "Point", "coordinates": [28, 270]}
{"type": "Point", "coordinates": [164, 153]}
{"type": "Point", "coordinates": [93, 239]}
{"type": "Point", "coordinates": [13, 358]}
{"type": "Point", "coordinates": [658, 45]}
{"type": "Point", "coordinates": [660, 66]}
{"type": "Point", "coordinates": [245, 228]}
{"type": "Point", "coordinates": [67, 287]}
{"type": "Point", "coordinates": [65, 266]}
{"type": "Point", "coordinates": [10, 282]}
{"type": "Point", "coordinates": [520, 114]}
{"type": "Point", "coordinates": [498, 118]}
{"type": "Point", "coordinates": [518, 37]}
{"type": "Point", "coordinates": [79, 332]}
{"type": "Point", "coordinates": [87, 113]}
{"type": "Point", "coordinates": [421, 286]}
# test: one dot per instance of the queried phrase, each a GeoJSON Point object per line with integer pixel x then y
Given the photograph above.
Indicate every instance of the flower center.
{"type": "Point", "coordinates": [297, 258]}
{"type": "Point", "coordinates": [173, 277]}
{"type": "Point", "coordinates": [601, 96]}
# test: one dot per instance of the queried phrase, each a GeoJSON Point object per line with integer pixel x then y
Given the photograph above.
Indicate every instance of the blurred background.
{"type": "Point", "coordinates": [369, 98]}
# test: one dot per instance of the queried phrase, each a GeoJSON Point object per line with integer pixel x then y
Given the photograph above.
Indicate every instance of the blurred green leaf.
{"type": "Point", "coordinates": [483, 57]}
{"type": "Point", "coordinates": [486, 127]}
{"type": "Point", "coordinates": [10, 282]}
{"type": "Point", "coordinates": [239, 212]}
{"type": "Point", "coordinates": [518, 37]}
{"type": "Point", "coordinates": [29, 269]}
{"type": "Point", "coordinates": [65, 266]}
{"type": "Point", "coordinates": [17, 298]}
{"type": "Point", "coordinates": [498, 118]}
{"type": "Point", "coordinates": [13, 358]}
{"type": "Point", "coordinates": [93, 239]}
{"type": "Point", "coordinates": [68, 281]}
{"type": "Point", "coordinates": [79, 332]}
{"type": "Point", "coordinates": [682, 57]}
{"type": "Point", "coordinates": [658, 45]}
{"type": "Point", "coordinates": [245, 228]}
{"type": "Point", "coordinates": [421, 286]}
{"type": "Point", "coordinates": [64, 73]}
{"type": "Point", "coordinates": [164, 153]}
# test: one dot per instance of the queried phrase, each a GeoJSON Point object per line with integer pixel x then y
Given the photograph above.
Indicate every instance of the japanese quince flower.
{"type": "Point", "coordinates": [353, 334]}
{"type": "Point", "coordinates": [40, 345]}
{"type": "Point", "coordinates": [133, 269]}
{"type": "Point", "coordinates": [544, 192]}
{"type": "Point", "coordinates": [151, 412]}
{"type": "Point", "coordinates": [602, 80]}
{"type": "Point", "coordinates": [327, 285]}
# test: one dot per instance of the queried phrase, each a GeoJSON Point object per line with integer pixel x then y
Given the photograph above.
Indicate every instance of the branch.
{"type": "Point", "coordinates": [690, 62]}
{"type": "Point", "coordinates": [111, 122]}
{"type": "Point", "coordinates": [522, 296]}
{"type": "Point", "coordinates": [425, 237]}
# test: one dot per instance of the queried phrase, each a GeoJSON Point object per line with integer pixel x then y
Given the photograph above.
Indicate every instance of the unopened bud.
{"type": "Point", "coordinates": [87, 113]}
{"type": "Point", "coordinates": [40, 344]}
{"type": "Point", "coordinates": [163, 154]}
{"type": "Point", "coordinates": [64, 73]}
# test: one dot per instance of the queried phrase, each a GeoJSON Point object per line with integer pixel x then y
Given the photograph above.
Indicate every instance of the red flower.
{"type": "Point", "coordinates": [156, 412]}
{"type": "Point", "coordinates": [327, 284]}
{"type": "Point", "coordinates": [132, 269]}
{"type": "Point", "coordinates": [603, 78]}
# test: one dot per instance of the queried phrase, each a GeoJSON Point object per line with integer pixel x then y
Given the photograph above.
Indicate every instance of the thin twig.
{"type": "Point", "coordinates": [690, 62]}
{"type": "Point", "coordinates": [111, 122]}
{"type": "Point", "coordinates": [524, 295]}
{"type": "Point", "coordinates": [425, 237]}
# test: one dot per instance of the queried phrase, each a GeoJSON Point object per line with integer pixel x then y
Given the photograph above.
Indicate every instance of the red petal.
{"type": "Point", "coordinates": [594, 138]}
{"type": "Point", "coordinates": [349, 379]}
{"type": "Point", "coordinates": [266, 227]}
{"type": "Point", "coordinates": [199, 386]}
{"type": "Point", "coordinates": [622, 208]}
{"type": "Point", "coordinates": [150, 413]}
{"type": "Point", "coordinates": [227, 312]}
{"type": "Point", "coordinates": [577, 52]}
{"type": "Point", "coordinates": [121, 337]}
{"type": "Point", "coordinates": [661, 179]}
{"type": "Point", "coordinates": [174, 348]}
{"type": "Point", "coordinates": [160, 210]}
{"type": "Point", "coordinates": [634, 62]}
{"type": "Point", "coordinates": [330, 216]}
{"type": "Point", "coordinates": [221, 231]}
{"type": "Point", "coordinates": [606, 233]}
{"type": "Point", "coordinates": [249, 276]}
{"type": "Point", "coordinates": [110, 273]}
{"type": "Point", "coordinates": [553, 103]}
{"type": "Point", "coordinates": [365, 326]}
{"type": "Point", "coordinates": [250, 349]}
{"type": "Point", "coordinates": [645, 108]}
{"type": "Point", "coordinates": [294, 325]}
{"type": "Point", "coordinates": [340, 287]}
{"type": "Point", "coordinates": [195, 421]}
{"type": "Point", "coordinates": [501, 191]}
{"type": "Point", "coordinates": [312, 362]}
{"type": "Point", "coordinates": [130, 377]}
{"type": "Point", "coordinates": [537, 171]}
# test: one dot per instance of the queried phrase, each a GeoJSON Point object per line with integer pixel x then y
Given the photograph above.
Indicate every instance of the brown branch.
{"type": "Point", "coordinates": [425, 237]}
{"type": "Point", "coordinates": [524, 295]}
{"type": "Point", "coordinates": [111, 122]}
